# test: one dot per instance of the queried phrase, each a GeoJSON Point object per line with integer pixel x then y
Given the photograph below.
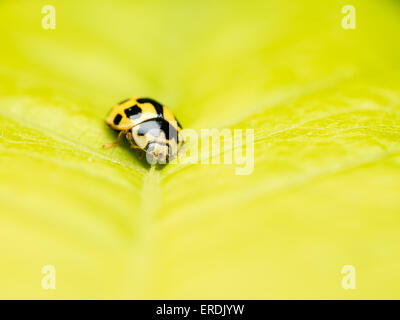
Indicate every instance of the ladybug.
{"type": "Point", "coordinates": [148, 126]}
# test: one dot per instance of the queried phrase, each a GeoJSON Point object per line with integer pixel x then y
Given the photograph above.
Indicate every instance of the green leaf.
{"type": "Point", "coordinates": [324, 103]}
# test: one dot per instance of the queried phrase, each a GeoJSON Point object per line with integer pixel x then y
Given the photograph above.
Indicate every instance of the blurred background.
{"type": "Point", "coordinates": [324, 102]}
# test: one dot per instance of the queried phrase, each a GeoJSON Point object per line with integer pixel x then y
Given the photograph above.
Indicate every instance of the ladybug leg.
{"type": "Point", "coordinates": [113, 144]}
{"type": "Point", "coordinates": [134, 145]}
{"type": "Point", "coordinates": [131, 140]}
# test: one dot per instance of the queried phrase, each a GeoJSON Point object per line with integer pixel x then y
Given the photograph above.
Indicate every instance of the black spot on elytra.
{"type": "Point", "coordinates": [156, 126]}
{"type": "Point", "coordinates": [158, 106]}
{"type": "Point", "coordinates": [117, 119]}
{"type": "Point", "coordinates": [133, 112]}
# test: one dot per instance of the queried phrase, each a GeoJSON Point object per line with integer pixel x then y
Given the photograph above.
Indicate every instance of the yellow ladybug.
{"type": "Point", "coordinates": [148, 126]}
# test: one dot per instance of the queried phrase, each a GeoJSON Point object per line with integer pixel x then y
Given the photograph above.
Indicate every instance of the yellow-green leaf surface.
{"type": "Point", "coordinates": [324, 103]}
